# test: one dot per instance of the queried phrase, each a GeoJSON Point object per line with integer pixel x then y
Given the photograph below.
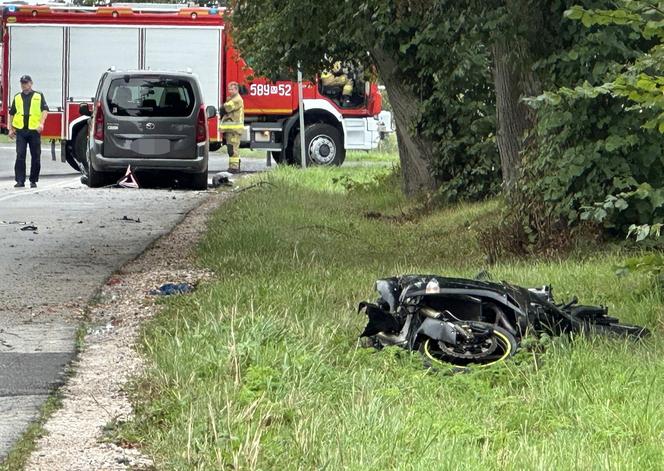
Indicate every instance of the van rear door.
{"type": "Point", "coordinates": [151, 117]}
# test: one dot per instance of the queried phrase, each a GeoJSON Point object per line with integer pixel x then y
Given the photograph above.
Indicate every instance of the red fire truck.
{"type": "Point", "coordinates": [66, 49]}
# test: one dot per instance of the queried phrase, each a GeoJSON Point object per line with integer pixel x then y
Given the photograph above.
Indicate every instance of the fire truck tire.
{"type": "Point", "coordinates": [72, 162]}
{"type": "Point", "coordinates": [215, 146]}
{"type": "Point", "coordinates": [324, 144]}
{"type": "Point", "coordinates": [278, 156]}
{"type": "Point", "coordinates": [77, 158]}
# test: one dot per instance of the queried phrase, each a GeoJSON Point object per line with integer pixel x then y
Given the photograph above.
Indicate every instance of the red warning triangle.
{"type": "Point", "coordinates": [129, 180]}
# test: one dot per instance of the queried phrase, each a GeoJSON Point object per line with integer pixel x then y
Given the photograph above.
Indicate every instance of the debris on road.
{"type": "Point", "coordinates": [169, 289]}
{"type": "Point", "coordinates": [100, 330]}
{"type": "Point", "coordinates": [20, 223]}
{"type": "Point", "coordinates": [222, 179]}
{"type": "Point", "coordinates": [128, 219]}
{"type": "Point", "coordinates": [29, 227]}
{"type": "Point", "coordinates": [114, 281]}
{"type": "Point", "coordinates": [95, 397]}
{"type": "Point", "coordinates": [463, 321]}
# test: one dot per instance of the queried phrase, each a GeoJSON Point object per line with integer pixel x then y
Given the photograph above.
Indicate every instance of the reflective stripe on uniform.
{"type": "Point", "coordinates": [231, 126]}
{"type": "Point", "coordinates": [234, 119]}
{"type": "Point", "coordinates": [34, 120]}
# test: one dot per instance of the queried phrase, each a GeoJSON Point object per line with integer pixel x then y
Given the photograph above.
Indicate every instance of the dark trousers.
{"type": "Point", "coordinates": [25, 138]}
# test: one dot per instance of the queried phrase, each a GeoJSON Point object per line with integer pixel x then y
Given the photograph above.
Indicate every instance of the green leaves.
{"type": "Point", "coordinates": [652, 264]}
{"type": "Point", "coordinates": [613, 142]}
{"type": "Point", "coordinates": [598, 121]}
{"type": "Point", "coordinates": [643, 231]}
{"type": "Point", "coordinates": [638, 213]}
{"type": "Point", "coordinates": [602, 17]}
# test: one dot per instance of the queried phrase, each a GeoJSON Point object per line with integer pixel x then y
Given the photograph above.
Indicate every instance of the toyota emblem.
{"type": "Point", "coordinates": [149, 125]}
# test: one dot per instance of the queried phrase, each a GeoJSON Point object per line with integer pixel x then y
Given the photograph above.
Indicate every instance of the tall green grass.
{"type": "Point", "coordinates": [261, 369]}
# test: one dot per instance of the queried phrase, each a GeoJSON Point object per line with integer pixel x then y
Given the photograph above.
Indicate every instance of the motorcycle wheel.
{"type": "Point", "coordinates": [434, 355]}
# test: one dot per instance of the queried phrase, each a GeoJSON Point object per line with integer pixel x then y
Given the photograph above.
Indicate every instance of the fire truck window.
{"type": "Point", "coordinates": [150, 97]}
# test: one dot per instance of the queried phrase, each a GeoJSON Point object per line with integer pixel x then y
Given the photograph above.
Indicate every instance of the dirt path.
{"type": "Point", "coordinates": [94, 396]}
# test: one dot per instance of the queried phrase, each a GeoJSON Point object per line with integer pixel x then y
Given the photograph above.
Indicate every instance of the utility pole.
{"type": "Point", "coordinates": [303, 151]}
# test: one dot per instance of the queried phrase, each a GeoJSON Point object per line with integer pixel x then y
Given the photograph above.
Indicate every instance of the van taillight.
{"type": "Point", "coordinates": [201, 125]}
{"type": "Point", "coordinates": [99, 122]}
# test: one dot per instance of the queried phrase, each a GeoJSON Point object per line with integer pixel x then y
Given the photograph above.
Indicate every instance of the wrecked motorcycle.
{"type": "Point", "coordinates": [464, 321]}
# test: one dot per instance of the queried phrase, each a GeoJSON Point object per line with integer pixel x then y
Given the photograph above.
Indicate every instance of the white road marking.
{"type": "Point", "coordinates": [26, 192]}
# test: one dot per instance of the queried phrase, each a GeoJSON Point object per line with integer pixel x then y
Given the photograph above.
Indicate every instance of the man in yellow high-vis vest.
{"type": "Point", "coordinates": [232, 125]}
{"type": "Point", "coordinates": [26, 122]}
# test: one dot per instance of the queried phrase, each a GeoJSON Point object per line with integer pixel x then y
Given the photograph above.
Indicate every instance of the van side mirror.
{"type": "Point", "coordinates": [211, 111]}
{"type": "Point", "coordinates": [84, 109]}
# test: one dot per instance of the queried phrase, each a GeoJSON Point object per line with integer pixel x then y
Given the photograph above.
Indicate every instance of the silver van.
{"type": "Point", "coordinates": [151, 121]}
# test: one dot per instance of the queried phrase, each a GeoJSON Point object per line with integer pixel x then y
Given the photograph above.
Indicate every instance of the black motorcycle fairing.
{"type": "Point", "coordinates": [389, 292]}
{"type": "Point", "coordinates": [466, 318]}
{"type": "Point", "coordinates": [379, 320]}
{"type": "Point", "coordinates": [468, 299]}
{"type": "Point", "coordinates": [438, 330]}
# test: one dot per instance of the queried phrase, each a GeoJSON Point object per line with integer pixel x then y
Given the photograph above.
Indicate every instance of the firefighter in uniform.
{"type": "Point", "coordinates": [232, 125]}
{"type": "Point", "coordinates": [338, 78]}
{"type": "Point", "coordinates": [26, 122]}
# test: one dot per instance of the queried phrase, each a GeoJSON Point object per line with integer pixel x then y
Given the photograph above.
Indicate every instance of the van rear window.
{"type": "Point", "coordinates": [150, 97]}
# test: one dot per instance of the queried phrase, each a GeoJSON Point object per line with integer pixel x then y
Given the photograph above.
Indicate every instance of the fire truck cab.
{"type": "Point", "coordinates": [66, 49]}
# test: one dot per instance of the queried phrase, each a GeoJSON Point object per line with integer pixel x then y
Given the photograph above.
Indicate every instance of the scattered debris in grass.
{"type": "Point", "coordinates": [168, 289]}
{"type": "Point", "coordinates": [262, 368]}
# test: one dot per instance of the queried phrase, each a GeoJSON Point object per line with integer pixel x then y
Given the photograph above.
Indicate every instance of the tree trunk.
{"type": "Point", "coordinates": [513, 80]}
{"type": "Point", "coordinates": [415, 152]}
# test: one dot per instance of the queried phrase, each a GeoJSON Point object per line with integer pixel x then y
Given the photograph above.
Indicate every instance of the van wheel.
{"type": "Point", "coordinates": [323, 143]}
{"type": "Point", "coordinates": [199, 181]}
{"type": "Point", "coordinates": [95, 179]}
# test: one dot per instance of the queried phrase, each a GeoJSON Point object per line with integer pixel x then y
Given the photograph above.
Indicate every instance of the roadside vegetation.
{"type": "Point", "coordinates": [262, 368]}
{"type": "Point", "coordinates": [556, 106]}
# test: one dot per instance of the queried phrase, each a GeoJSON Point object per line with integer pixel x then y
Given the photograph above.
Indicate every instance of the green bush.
{"type": "Point", "coordinates": [589, 142]}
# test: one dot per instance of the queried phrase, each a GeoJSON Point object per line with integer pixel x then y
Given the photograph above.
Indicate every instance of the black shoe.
{"type": "Point", "coordinates": [19, 185]}
{"type": "Point", "coordinates": [33, 185]}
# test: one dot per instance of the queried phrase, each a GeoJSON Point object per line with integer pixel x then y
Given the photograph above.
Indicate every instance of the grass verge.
{"type": "Point", "coordinates": [261, 369]}
{"type": "Point", "coordinates": [373, 156]}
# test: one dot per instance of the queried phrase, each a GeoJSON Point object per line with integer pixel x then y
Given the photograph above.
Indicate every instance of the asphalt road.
{"type": "Point", "coordinates": [82, 236]}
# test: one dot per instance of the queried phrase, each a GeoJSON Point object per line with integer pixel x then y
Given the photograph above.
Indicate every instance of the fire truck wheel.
{"type": "Point", "coordinates": [73, 162]}
{"type": "Point", "coordinates": [323, 143]}
{"type": "Point", "coordinates": [215, 146]}
{"type": "Point", "coordinates": [77, 158]}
